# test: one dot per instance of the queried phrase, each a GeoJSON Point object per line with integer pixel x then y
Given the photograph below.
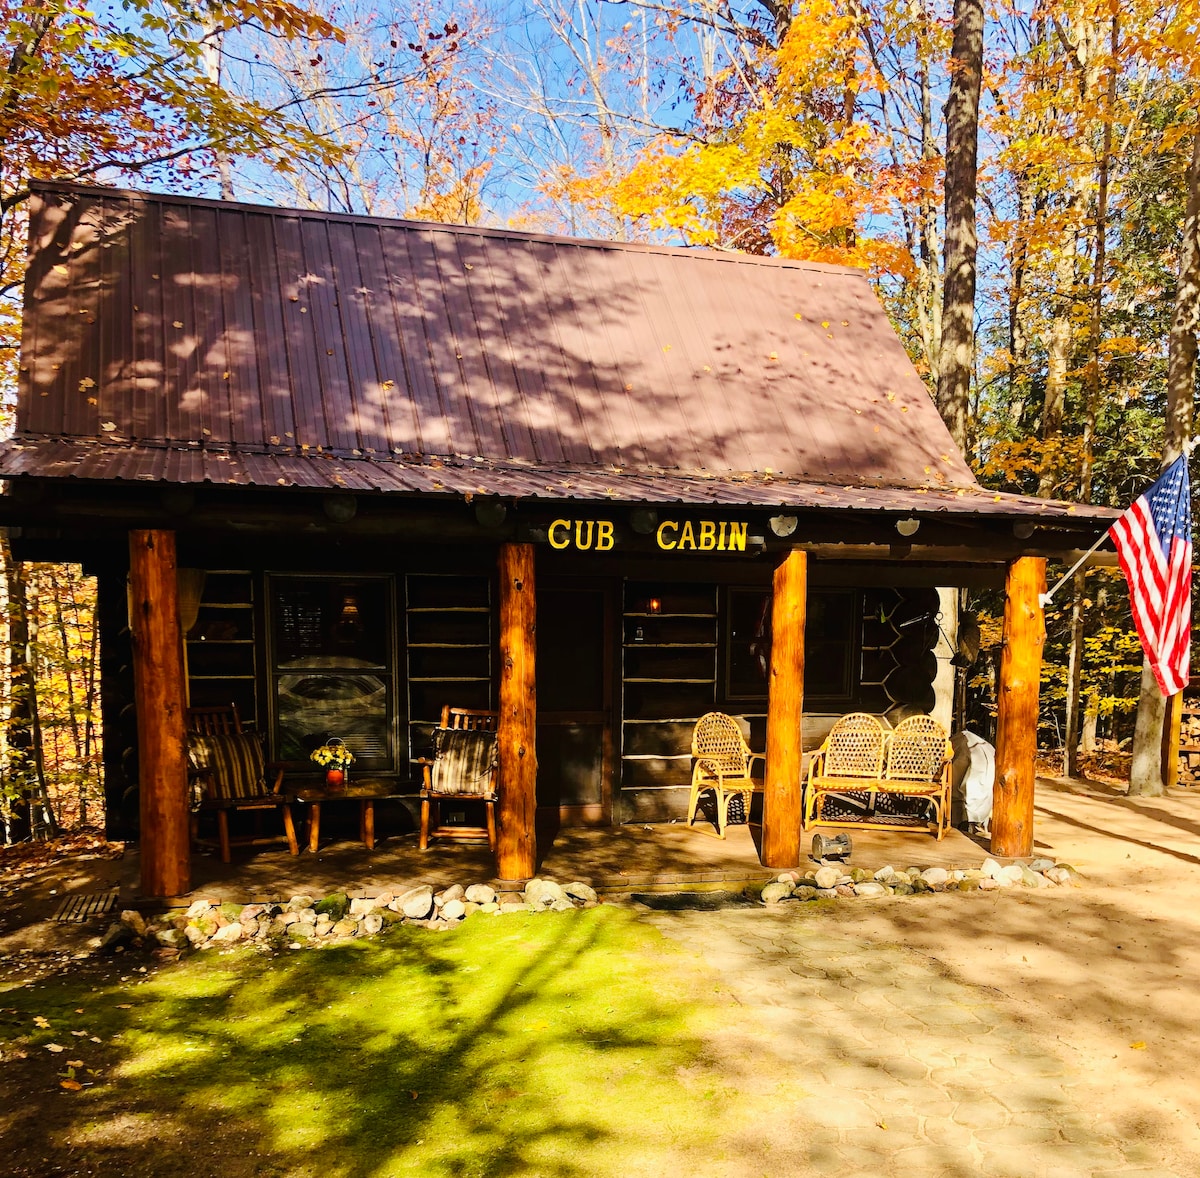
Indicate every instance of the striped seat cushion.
{"type": "Point", "coordinates": [233, 764]}
{"type": "Point", "coordinates": [463, 762]}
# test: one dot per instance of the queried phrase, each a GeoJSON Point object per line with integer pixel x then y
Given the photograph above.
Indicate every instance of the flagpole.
{"type": "Point", "coordinates": [1044, 598]}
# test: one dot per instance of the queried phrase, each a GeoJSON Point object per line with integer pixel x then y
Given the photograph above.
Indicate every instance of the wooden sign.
{"type": "Point", "coordinates": [599, 535]}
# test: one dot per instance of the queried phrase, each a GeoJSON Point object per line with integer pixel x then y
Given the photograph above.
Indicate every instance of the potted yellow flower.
{"type": "Point", "coordinates": [335, 758]}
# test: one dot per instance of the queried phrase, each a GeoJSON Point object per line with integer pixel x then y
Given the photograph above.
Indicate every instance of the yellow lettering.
{"type": "Point", "coordinates": [580, 543]}
{"type": "Point", "coordinates": [708, 535]}
{"type": "Point", "coordinates": [687, 537]}
{"type": "Point", "coordinates": [737, 537]}
{"type": "Point", "coordinates": [565, 542]}
{"type": "Point", "coordinates": [604, 535]}
{"type": "Point", "coordinates": [662, 528]}
{"type": "Point", "coordinates": [721, 541]}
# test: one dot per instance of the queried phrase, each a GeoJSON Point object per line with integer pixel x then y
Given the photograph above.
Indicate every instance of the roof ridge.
{"type": "Point", "coordinates": [108, 192]}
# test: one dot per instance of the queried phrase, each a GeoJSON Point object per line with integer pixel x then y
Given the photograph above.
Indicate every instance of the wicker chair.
{"type": "Point", "coordinates": [463, 769]}
{"type": "Point", "coordinates": [228, 773]}
{"type": "Point", "coordinates": [853, 751]}
{"type": "Point", "coordinates": [722, 764]}
{"type": "Point", "coordinates": [919, 766]}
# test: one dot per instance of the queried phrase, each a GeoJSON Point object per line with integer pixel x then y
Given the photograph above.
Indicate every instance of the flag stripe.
{"type": "Point", "coordinates": [1153, 540]}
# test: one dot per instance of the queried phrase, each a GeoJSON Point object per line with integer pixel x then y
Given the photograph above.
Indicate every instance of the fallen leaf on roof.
{"type": "Point", "coordinates": [177, 323]}
{"type": "Point", "coordinates": [108, 426]}
{"type": "Point", "coordinates": [55, 1047]}
{"type": "Point", "coordinates": [86, 383]}
{"type": "Point", "coordinates": [71, 1085]}
{"type": "Point", "coordinates": [41, 1021]}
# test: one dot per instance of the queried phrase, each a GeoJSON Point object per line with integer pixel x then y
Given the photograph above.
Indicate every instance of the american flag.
{"type": "Point", "coordinates": [1154, 545]}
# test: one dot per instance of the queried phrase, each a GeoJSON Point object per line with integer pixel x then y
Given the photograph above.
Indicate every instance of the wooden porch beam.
{"type": "Point", "coordinates": [785, 707]}
{"type": "Point", "coordinates": [1017, 717]}
{"type": "Point", "coordinates": [159, 699]}
{"type": "Point", "coordinates": [516, 852]}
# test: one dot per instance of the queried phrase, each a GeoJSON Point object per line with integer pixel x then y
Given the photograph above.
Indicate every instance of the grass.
{"type": "Point", "coordinates": [552, 1045]}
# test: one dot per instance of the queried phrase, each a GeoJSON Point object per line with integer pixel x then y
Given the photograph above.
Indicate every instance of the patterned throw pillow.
{"type": "Point", "coordinates": [463, 762]}
{"type": "Point", "coordinates": [235, 761]}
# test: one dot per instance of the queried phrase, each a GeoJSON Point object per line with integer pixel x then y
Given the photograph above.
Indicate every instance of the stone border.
{"type": "Point", "coordinates": [306, 922]}
{"type": "Point", "coordinates": [829, 882]}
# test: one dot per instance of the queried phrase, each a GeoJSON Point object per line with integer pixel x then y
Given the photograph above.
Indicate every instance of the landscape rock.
{"type": "Point", "coordinates": [454, 909]}
{"type": "Point", "coordinates": [869, 888]}
{"type": "Point", "coordinates": [578, 890]}
{"type": "Point", "coordinates": [562, 905]}
{"type": "Point", "coordinates": [1012, 873]}
{"type": "Point", "coordinates": [1042, 864]}
{"type": "Point", "coordinates": [826, 877]}
{"type": "Point", "coordinates": [362, 906]}
{"type": "Point", "coordinates": [135, 921]}
{"type": "Point", "coordinates": [776, 891]}
{"type": "Point", "coordinates": [935, 875]}
{"type": "Point", "coordinates": [345, 927]}
{"type": "Point", "coordinates": [372, 924]}
{"type": "Point", "coordinates": [416, 903]}
{"type": "Point", "coordinates": [333, 906]}
{"type": "Point", "coordinates": [299, 903]}
{"type": "Point", "coordinates": [453, 892]}
{"type": "Point", "coordinates": [480, 894]}
{"type": "Point", "coordinates": [991, 868]}
{"type": "Point", "coordinates": [198, 908]}
{"type": "Point", "coordinates": [989, 883]}
{"type": "Point", "coordinates": [542, 893]}
{"type": "Point", "coordinates": [804, 892]}
{"type": "Point", "coordinates": [229, 933]}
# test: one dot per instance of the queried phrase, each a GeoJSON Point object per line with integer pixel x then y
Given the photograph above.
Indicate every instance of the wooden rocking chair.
{"type": "Point", "coordinates": [722, 764]}
{"type": "Point", "coordinates": [463, 769]}
{"type": "Point", "coordinates": [228, 772]}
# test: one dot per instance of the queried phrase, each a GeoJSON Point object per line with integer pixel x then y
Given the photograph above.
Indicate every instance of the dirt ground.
{"type": "Point", "coordinates": [1034, 1033]}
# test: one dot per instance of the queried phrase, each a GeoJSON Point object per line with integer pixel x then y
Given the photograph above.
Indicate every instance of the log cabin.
{"type": "Point", "coordinates": [344, 471]}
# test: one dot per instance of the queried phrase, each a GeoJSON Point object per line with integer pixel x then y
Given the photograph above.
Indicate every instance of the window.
{"type": "Point", "coordinates": [332, 666]}
{"type": "Point", "coordinates": [830, 642]}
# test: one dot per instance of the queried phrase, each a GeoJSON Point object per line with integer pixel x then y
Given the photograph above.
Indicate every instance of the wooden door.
{"type": "Point", "coordinates": [574, 711]}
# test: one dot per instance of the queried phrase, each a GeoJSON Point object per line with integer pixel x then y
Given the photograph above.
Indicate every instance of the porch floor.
{"type": "Point", "coordinates": [615, 860]}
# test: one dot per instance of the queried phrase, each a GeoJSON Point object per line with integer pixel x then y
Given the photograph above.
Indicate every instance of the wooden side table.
{"type": "Point", "coordinates": [366, 793]}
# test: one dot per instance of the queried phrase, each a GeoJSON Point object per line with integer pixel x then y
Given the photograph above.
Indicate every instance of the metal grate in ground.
{"type": "Point", "coordinates": [85, 905]}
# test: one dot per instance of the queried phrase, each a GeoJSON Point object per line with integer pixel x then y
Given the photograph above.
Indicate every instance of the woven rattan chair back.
{"type": "Point", "coordinates": [717, 738]}
{"type": "Point", "coordinates": [917, 750]}
{"type": "Point", "coordinates": [854, 747]}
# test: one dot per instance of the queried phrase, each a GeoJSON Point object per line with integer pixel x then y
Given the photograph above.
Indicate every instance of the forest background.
{"type": "Point", "coordinates": [1020, 180]}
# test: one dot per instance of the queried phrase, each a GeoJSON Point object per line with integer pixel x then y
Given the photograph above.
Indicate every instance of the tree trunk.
{"type": "Point", "coordinates": [19, 769]}
{"type": "Point", "coordinates": [962, 144]}
{"type": "Point", "coordinates": [1145, 772]}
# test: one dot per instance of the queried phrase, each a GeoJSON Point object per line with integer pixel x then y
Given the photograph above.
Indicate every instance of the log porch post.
{"type": "Point", "coordinates": [1017, 716]}
{"type": "Point", "coordinates": [785, 706]}
{"type": "Point", "coordinates": [516, 853]}
{"type": "Point", "coordinates": [159, 699]}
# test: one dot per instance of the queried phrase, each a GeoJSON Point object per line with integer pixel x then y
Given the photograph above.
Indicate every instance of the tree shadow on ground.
{"type": "Point", "coordinates": [527, 1046]}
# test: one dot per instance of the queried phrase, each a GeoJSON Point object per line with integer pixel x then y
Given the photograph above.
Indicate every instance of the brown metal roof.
{"type": "Point", "coordinates": [55, 458]}
{"type": "Point", "coordinates": [161, 319]}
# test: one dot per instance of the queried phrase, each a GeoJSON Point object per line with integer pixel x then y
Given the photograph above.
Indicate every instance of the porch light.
{"type": "Point", "coordinates": [783, 525]}
{"type": "Point", "coordinates": [908, 527]}
{"type": "Point", "coordinates": [490, 513]}
{"type": "Point", "coordinates": [339, 509]}
{"type": "Point", "coordinates": [654, 605]}
{"type": "Point", "coordinates": [1023, 530]}
{"type": "Point", "coordinates": [643, 520]}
